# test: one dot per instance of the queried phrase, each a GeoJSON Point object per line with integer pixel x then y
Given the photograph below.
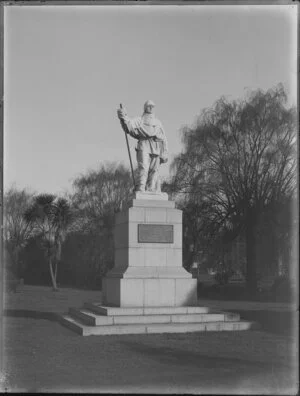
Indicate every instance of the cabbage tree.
{"type": "Point", "coordinates": [52, 219]}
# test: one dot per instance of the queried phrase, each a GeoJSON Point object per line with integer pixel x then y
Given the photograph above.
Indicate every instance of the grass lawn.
{"type": "Point", "coordinates": [41, 355]}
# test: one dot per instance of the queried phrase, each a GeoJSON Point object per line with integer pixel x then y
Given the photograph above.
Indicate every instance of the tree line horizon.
{"type": "Point", "coordinates": [234, 178]}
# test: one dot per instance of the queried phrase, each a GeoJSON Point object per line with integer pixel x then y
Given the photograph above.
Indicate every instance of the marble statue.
{"type": "Point", "coordinates": [151, 149]}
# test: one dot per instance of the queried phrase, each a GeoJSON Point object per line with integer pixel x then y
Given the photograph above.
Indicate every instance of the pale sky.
{"type": "Point", "coordinates": [67, 68]}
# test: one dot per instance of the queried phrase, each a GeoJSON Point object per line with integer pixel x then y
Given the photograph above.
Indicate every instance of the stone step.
{"type": "Point", "coordinates": [98, 308]}
{"type": "Point", "coordinates": [82, 329]}
{"type": "Point", "coordinates": [92, 319]}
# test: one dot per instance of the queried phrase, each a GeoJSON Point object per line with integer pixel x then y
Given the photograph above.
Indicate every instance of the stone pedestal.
{"type": "Point", "coordinates": [148, 268]}
{"type": "Point", "coordinates": [148, 290]}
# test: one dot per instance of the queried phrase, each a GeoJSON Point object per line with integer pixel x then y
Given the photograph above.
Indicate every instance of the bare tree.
{"type": "Point", "coordinates": [240, 156]}
{"type": "Point", "coordinates": [97, 196]}
{"type": "Point", "coordinates": [102, 192]}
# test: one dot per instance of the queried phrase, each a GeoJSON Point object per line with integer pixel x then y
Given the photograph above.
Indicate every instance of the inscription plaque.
{"type": "Point", "coordinates": [155, 233]}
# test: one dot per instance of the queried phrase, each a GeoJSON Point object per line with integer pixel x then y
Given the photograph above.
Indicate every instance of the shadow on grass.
{"type": "Point", "coordinates": [277, 322]}
{"type": "Point", "coordinates": [26, 313]}
{"type": "Point", "coordinates": [171, 356]}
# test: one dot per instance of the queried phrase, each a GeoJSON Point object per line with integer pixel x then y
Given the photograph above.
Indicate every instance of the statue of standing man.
{"type": "Point", "coordinates": [151, 149]}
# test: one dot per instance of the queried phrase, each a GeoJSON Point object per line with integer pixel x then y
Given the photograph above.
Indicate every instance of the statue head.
{"type": "Point", "coordinates": [149, 106]}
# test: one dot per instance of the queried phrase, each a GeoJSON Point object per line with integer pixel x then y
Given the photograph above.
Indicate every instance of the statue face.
{"type": "Point", "coordinates": [149, 108]}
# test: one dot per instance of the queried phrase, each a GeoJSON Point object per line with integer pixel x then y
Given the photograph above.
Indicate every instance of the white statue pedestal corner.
{"type": "Point", "coordinates": [148, 268]}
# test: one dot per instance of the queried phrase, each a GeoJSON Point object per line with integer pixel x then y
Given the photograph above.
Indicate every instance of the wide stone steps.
{"type": "Point", "coordinates": [91, 319]}
{"type": "Point", "coordinates": [94, 319]}
{"type": "Point", "coordinates": [86, 330]}
{"type": "Point", "coordinates": [98, 308]}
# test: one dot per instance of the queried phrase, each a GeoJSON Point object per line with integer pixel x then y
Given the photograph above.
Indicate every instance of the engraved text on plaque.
{"type": "Point", "coordinates": [155, 233]}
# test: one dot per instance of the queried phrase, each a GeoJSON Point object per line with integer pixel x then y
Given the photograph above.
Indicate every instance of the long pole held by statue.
{"type": "Point", "coordinates": [126, 137]}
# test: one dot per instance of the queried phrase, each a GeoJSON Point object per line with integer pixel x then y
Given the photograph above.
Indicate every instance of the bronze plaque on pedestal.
{"type": "Point", "coordinates": [155, 233]}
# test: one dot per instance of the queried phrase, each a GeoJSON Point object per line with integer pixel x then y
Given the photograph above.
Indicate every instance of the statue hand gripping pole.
{"type": "Point", "coordinates": [126, 137]}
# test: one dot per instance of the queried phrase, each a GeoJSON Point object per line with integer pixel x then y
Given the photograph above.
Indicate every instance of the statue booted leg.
{"type": "Point", "coordinates": [143, 161]}
{"type": "Point", "coordinates": [153, 183]}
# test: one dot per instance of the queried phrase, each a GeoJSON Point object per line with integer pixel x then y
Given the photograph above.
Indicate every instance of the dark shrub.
{"type": "Point", "coordinates": [283, 289]}
{"type": "Point", "coordinates": [222, 277]}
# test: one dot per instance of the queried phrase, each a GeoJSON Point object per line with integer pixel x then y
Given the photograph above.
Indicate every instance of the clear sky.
{"type": "Point", "coordinates": [67, 68]}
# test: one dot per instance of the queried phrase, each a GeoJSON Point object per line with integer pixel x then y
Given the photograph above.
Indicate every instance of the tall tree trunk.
{"type": "Point", "coordinates": [16, 262]}
{"type": "Point", "coordinates": [53, 276]}
{"type": "Point", "coordinates": [55, 269]}
{"type": "Point", "coordinates": [251, 280]}
{"type": "Point", "coordinates": [57, 257]}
